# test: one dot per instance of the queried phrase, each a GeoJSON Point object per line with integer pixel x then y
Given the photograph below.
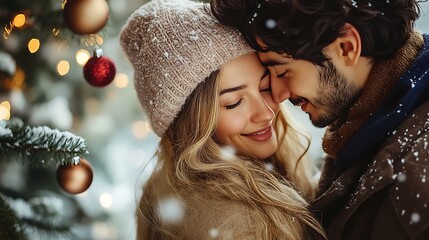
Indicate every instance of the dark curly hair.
{"type": "Point", "coordinates": [302, 28]}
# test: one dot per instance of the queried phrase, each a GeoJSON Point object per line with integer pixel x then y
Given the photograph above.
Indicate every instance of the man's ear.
{"type": "Point", "coordinates": [348, 45]}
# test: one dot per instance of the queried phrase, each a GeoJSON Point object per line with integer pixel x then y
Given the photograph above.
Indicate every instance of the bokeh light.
{"type": "Point", "coordinates": [19, 20]}
{"type": "Point", "coordinates": [106, 200]}
{"type": "Point", "coordinates": [5, 110]}
{"type": "Point", "coordinates": [141, 129]}
{"type": "Point", "coordinates": [82, 56]}
{"type": "Point", "coordinates": [63, 67]}
{"type": "Point", "coordinates": [33, 45]}
{"type": "Point", "coordinates": [121, 80]}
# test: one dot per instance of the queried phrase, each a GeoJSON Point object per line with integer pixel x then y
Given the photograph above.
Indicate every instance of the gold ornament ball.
{"type": "Point", "coordinates": [86, 16]}
{"type": "Point", "coordinates": [75, 178]}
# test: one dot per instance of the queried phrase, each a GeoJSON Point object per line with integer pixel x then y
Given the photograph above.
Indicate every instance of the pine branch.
{"type": "Point", "coordinates": [47, 227]}
{"type": "Point", "coordinates": [38, 146]}
{"type": "Point", "coordinates": [41, 219]}
{"type": "Point", "coordinates": [9, 224]}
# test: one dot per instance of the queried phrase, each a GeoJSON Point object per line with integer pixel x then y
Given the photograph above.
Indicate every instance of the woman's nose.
{"type": "Point", "coordinates": [279, 87]}
{"type": "Point", "coordinates": [261, 111]}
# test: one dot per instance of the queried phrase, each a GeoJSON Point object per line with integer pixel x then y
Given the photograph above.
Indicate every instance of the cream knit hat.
{"type": "Point", "coordinates": [173, 46]}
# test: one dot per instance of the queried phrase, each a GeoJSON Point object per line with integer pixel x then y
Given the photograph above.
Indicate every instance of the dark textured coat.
{"type": "Point", "coordinates": [381, 190]}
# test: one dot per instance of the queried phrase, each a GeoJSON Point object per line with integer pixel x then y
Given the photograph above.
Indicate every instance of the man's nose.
{"type": "Point", "coordinates": [279, 87]}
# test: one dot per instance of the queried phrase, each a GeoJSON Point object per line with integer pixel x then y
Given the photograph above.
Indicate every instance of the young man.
{"type": "Point", "coordinates": [359, 68]}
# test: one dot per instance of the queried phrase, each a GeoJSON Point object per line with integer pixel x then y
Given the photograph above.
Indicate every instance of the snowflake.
{"type": "Point", "coordinates": [270, 23]}
{"type": "Point", "coordinates": [227, 152]}
{"type": "Point", "coordinates": [170, 210]}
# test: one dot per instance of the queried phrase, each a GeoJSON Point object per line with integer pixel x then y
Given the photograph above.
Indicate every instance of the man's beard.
{"type": "Point", "coordinates": [335, 94]}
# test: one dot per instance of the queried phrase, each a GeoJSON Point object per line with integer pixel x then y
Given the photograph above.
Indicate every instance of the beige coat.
{"type": "Point", "coordinates": [194, 217]}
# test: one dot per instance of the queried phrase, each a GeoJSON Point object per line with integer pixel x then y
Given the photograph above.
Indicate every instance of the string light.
{"type": "Point", "coordinates": [82, 56]}
{"type": "Point", "coordinates": [121, 80]}
{"type": "Point", "coordinates": [63, 4]}
{"type": "Point", "coordinates": [7, 30]}
{"type": "Point", "coordinates": [33, 45]}
{"type": "Point", "coordinates": [99, 39]}
{"type": "Point", "coordinates": [106, 200]}
{"type": "Point", "coordinates": [141, 129]}
{"type": "Point", "coordinates": [19, 20]}
{"type": "Point", "coordinates": [5, 110]}
{"type": "Point", "coordinates": [56, 31]}
{"type": "Point", "coordinates": [92, 39]}
{"type": "Point", "coordinates": [63, 67]}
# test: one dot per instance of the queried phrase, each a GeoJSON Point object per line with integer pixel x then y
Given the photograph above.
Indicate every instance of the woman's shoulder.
{"type": "Point", "coordinates": [197, 203]}
{"type": "Point", "coordinates": [191, 214]}
{"type": "Point", "coordinates": [207, 218]}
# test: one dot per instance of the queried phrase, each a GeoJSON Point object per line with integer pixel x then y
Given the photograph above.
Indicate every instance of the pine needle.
{"type": "Point", "coordinates": [38, 146]}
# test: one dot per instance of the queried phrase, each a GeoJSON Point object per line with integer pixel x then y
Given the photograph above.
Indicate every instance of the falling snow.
{"type": "Point", "coordinates": [269, 167]}
{"type": "Point", "coordinates": [170, 210]}
{"type": "Point", "coordinates": [214, 233]}
{"type": "Point", "coordinates": [270, 23]}
{"type": "Point", "coordinates": [227, 152]}
{"type": "Point", "coordinates": [415, 218]}
{"type": "Point", "coordinates": [193, 36]}
{"type": "Point", "coordinates": [401, 177]}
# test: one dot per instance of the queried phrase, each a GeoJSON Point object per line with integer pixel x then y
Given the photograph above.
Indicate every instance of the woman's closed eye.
{"type": "Point", "coordinates": [232, 106]}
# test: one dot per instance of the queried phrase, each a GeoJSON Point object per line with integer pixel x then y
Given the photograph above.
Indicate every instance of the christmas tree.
{"type": "Point", "coordinates": [73, 138]}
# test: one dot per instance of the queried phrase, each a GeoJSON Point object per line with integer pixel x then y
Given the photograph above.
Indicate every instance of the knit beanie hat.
{"type": "Point", "coordinates": [173, 46]}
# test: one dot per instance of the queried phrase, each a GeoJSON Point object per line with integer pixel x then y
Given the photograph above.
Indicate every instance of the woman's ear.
{"type": "Point", "coordinates": [349, 44]}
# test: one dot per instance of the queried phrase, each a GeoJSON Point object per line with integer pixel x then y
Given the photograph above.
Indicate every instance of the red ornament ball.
{"type": "Point", "coordinates": [99, 71]}
{"type": "Point", "coordinates": [75, 178]}
{"type": "Point", "coordinates": [86, 16]}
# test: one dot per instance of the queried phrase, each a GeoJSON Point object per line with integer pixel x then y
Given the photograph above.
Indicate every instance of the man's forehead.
{"type": "Point", "coordinates": [273, 58]}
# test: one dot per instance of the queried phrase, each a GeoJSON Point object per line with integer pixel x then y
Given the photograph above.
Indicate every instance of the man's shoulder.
{"type": "Point", "coordinates": [399, 171]}
{"type": "Point", "coordinates": [410, 137]}
{"type": "Point", "coordinates": [407, 151]}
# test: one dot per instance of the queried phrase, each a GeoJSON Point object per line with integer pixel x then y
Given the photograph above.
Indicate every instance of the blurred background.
{"type": "Point", "coordinates": [56, 65]}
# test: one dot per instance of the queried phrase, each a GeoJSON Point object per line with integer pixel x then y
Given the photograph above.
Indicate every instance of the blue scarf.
{"type": "Point", "coordinates": [409, 92]}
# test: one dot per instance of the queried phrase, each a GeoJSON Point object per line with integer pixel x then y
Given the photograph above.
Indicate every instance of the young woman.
{"type": "Point", "coordinates": [230, 164]}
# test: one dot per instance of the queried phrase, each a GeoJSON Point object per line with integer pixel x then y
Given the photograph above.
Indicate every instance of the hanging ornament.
{"type": "Point", "coordinates": [99, 71]}
{"type": "Point", "coordinates": [75, 178]}
{"type": "Point", "coordinates": [86, 16]}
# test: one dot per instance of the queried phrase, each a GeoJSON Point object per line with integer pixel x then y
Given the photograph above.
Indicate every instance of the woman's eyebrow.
{"type": "Point", "coordinates": [233, 89]}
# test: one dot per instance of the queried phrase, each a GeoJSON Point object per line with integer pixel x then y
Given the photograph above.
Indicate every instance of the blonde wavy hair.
{"type": "Point", "coordinates": [191, 160]}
